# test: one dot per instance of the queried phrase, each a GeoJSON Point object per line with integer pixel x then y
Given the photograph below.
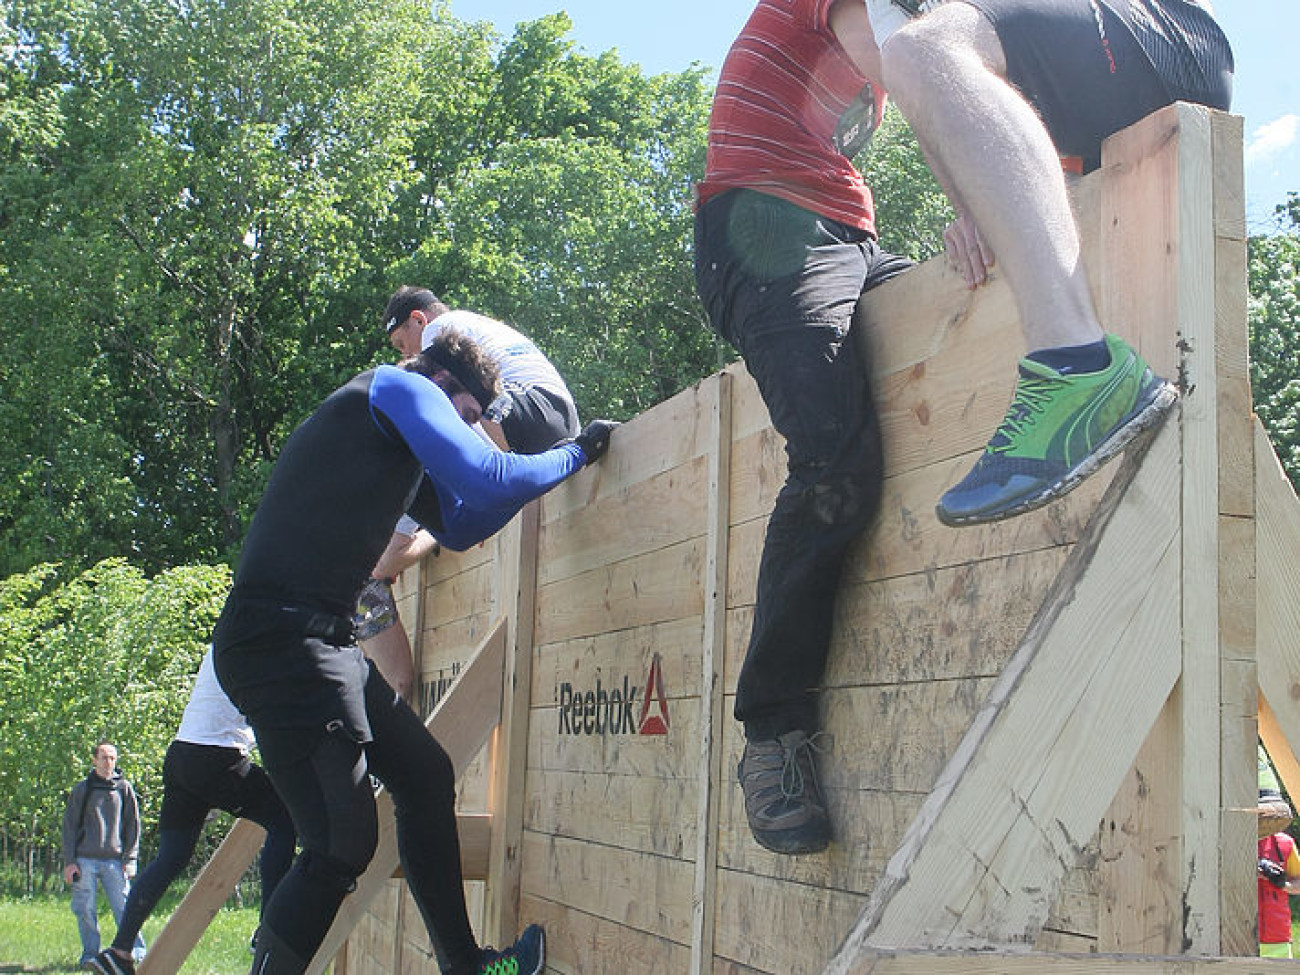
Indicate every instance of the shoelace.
{"type": "Point", "coordinates": [503, 965]}
{"type": "Point", "coordinates": [1032, 397]}
{"type": "Point", "coordinates": [792, 780]}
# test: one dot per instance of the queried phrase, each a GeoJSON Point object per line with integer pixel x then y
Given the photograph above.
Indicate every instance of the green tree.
{"type": "Point", "coordinates": [565, 207]}
{"type": "Point", "coordinates": [1274, 281]}
{"type": "Point", "coordinates": [193, 219]}
{"type": "Point", "coordinates": [911, 209]}
{"type": "Point", "coordinates": [105, 652]}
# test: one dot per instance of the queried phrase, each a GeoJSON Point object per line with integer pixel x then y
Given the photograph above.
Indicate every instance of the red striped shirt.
{"type": "Point", "coordinates": [782, 90]}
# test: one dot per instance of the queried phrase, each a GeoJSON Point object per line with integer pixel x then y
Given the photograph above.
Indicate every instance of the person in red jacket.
{"type": "Point", "coordinates": [1279, 875]}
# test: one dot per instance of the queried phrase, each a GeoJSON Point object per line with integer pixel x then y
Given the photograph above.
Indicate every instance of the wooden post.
{"type": "Point", "coordinates": [518, 589]}
{"type": "Point", "coordinates": [711, 778]}
{"type": "Point", "coordinates": [1278, 528]}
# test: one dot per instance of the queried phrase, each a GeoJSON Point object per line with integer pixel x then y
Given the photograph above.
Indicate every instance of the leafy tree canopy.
{"type": "Point", "coordinates": [1274, 278]}
{"type": "Point", "coordinates": [103, 653]}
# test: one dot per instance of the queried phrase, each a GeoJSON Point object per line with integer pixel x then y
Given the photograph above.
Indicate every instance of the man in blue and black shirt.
{"type": "Point", "coordinates": [394, 439]}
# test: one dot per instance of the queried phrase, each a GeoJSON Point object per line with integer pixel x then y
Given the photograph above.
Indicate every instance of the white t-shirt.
{"type": "Point", "coordinates": [887, 16]}
{"type": "Point", "coordinates": [522, 364]}
{"type": "Point", "coordinates": [210, 718]}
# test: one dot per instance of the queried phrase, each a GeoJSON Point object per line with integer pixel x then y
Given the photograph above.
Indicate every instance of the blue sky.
{"type": "Point", "coordinates": [669, 35]}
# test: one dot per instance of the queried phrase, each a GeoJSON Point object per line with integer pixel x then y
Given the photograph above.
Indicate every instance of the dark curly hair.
{"type": "Point", "coordinates": [465, 359]}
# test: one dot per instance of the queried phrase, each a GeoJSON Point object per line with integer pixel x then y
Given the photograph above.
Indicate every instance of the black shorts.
{"type": "Point", "coordinates": [291, 670]}
{"type": "Point", "coordinates": [200, 778]}
{"type": "Point", "coordinates": [1092, 68]}
{"type": "Point", "coordinates": [535, 419]}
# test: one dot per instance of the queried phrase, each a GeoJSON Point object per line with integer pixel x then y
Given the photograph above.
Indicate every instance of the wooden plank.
{"type": "Point", "coordinates": [758, 468]}
{"type": "Point", "coordinates": [636, 890]}
{"type": "Point", "coordinates": [651, 588]}
{"type": "Point", "coordinates": [639, 449]}
{"type": "Point", "coordinates": [1278, 745]}
{"type": "Point", "coordinates": [582, 740]}
{"type": "Point", "coordinates": [669, 507]}
{"type": "Point", "coordinates": [1073, 922]}
{"type": "Point", "coordinates": [205, 897]}
{"type": "Point", "coordinates": [988, 963]}
{"type": "Point", "coordinates": [633, 812]}
{"type": "Point", "coordinates": [1159, 282]}
{"type": "Point", "coordinates": [771, 925]}
{"type": "Point", "coordinates": [944, 361]}
{"type": "Point", "coordinates": [943, 624]}
{"type": "Point", "coordinates": [1138, 874]}
{"type": "Point", "coordinates": [466, 594]}
{"type": "Point", "coordinates": [713, 653]}
{"type": "Point", "coordinates": [981, 864]}
{"type": "Point", "coordinates": [908, 539]}
{"type": "Point", "coordinates": [578, 943]}
{"type": "Point", "coordinates": [476, 834]}
{"type": "Point", "coordinates": [676, 642]}
{"type": "Point", "coordinates": [1236, 539]}
{"type": "Point", "coordinates": [748, 411]}
{"type": "Point", "coordinates": [508, 794]}
{"type": "Point", "coordinates": [1236, 439]}
{"type": "Point", "coordinates": [462, 722]}
{"type": "Point", "coordinates": [1239, 682]}
{"type": "Point", "coordinates": [1201, 691]}
{"type": "Point", "coordinates": [1229, 176]}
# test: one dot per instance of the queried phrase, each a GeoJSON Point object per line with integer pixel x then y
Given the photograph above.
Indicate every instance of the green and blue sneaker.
{"type": "Point", "coordinates": [525, 957]}
{"type": "Point", "coordinates": [1059, 429]}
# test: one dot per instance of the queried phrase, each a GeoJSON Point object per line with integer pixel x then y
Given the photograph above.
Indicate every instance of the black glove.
{"type": "Point", "coordinates": [594, 439]}
{"type": "Point", "coordinates": [1274, 873]}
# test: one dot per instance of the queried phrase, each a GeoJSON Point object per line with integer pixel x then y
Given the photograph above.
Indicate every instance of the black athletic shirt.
{"type": "Point", "coordinates": [353, 467]}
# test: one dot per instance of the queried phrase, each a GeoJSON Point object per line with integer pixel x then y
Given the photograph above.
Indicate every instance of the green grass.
{"type": "Point", "coordinates": [39, 934]}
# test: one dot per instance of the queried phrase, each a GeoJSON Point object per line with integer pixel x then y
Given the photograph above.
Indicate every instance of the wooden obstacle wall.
{"type": "Point", "coordinates": [1044, 729]}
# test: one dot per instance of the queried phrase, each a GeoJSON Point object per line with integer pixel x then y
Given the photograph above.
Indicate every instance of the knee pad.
{"type": "Point", "coordinates": [843, 501]}
{"type": "Point", "coordinates": [329, 873]}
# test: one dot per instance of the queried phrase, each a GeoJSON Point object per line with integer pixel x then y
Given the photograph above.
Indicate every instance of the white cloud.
{"type": "Point", "coordinates": [1272, 138]}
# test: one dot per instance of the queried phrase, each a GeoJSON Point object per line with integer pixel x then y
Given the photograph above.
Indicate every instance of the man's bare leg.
{"type": "Point", "coordinates": [997, 162]}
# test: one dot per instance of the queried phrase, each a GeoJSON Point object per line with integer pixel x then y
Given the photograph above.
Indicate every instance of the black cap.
{"type": "Point", "coordinates": [404, 301]}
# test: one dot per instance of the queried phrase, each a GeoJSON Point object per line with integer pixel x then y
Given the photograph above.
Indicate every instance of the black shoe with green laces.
{"type": "Point", "coordinates": [525, 957]}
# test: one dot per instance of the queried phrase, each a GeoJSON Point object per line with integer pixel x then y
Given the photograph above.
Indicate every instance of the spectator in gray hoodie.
{"type": "Point", "coordinates": [101, 843]}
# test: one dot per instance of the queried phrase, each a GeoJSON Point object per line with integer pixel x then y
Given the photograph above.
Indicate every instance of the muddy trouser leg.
{"type": "Point", "coordinates": [782, 283]}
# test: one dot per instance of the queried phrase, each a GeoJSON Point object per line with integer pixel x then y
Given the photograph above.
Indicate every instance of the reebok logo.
{"type": "Point", "coordinates": [624, 710]}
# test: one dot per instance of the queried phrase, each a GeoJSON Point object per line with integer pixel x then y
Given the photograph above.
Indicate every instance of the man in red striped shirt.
{"type": "Point", "coordinates": [785, 244]}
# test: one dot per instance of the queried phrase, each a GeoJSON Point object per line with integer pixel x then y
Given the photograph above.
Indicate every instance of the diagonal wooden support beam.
{"type": "Point", "coordinates": [210, 890]}
{"type": "Point", "coordinates": [462, 722]}
{"type": "Point", "coordinates": [1277, 535]}
{"type": "Point", "coordinates": [981, 864]}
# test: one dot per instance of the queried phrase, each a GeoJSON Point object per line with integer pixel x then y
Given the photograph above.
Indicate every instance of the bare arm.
{"type": "Point", "coordinates": [403, 551]}
{"type": "Point", "coordinates": [852, 28]}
